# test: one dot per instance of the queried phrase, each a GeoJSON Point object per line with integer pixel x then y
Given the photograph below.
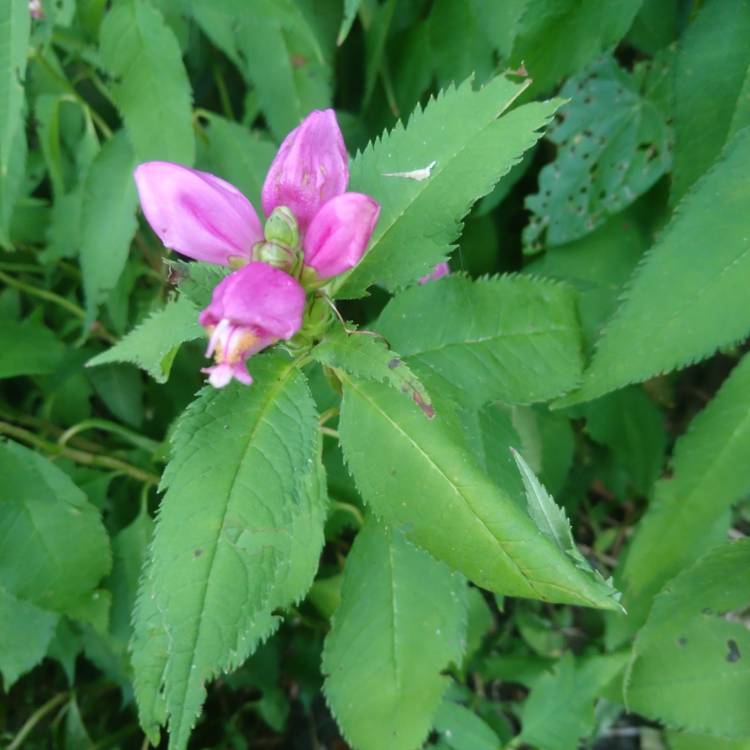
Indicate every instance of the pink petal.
{"type": "Point", "coordinates": [196, 213]}
{"type": "Point", "coordinates": [440, 270]}
{"type": "Point", "coordinates": [310, 168]}
{"type": "Point", "coordinates": [339, 233]}
{"type": "Point", "coordinates": [259, 298]}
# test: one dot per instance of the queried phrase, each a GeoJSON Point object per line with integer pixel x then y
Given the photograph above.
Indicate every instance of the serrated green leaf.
{"type": "Point", "coordinates": [653, 332]}
{"type": "Point", "coordinates": [41, 511]}
{"type": "Point", "coordinates": [223, 544]}
{"type": "Point", "coordinates": [236, 154]}
{"type": "Point", "coordinates": [25, 634]}
{"type": "Point", "coordinates": [366, 355]}
{"type": "Point", "coordinates": [630, 424]}
{"type": "Point", "coordinates": [152, 344]}
{"type": "Point", "coordinates": [460, 146]}
{"type": "Point", "coordinates": [390, 639]}
{"type": "Point", "coordinates": [705, 103]}
{"type": "Point", "coordinates": [108, 220]}
{"type": "Point", "coordinates": [549, 517]}
{"type": "Point", "coordinates": [556, 39]}
{"type": "Point", "coordinates": [709, 473]}
{"type": "Point", "coordinates": [613, 143]}
{"type": "Point", "coordinates": [597, 265]}
{"type": "Point", "coordinates": [462, 729]}
{"type": "Point", "coordinates": [560, 708]}
{"type": "Point", "coordinates": [15, 24]}
{"type": "Point", "coordinates": [151, 88]}
{"type": "Point", "coordinates": [415, 473]}
{"type": "Point", "coordinates": [128, 553]}
{"type": "Point", "coordinates": [29, 348]}
{"type": "Point", "coordinates": [689, 667]}
{"type": "Point", "coordinates": [197, 280]}
{"type": "Point", "coordinates": [512, 338]}
{"type": "Point", "coordinates": [275, 48]}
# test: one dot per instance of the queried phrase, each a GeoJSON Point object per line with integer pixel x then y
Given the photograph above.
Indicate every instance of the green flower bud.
{"type": "Point", "coordinates": [281, 228]}
{"type": "Point", "coordinates": [275, 255]}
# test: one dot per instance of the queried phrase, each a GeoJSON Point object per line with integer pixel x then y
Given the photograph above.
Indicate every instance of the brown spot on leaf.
{"type": "Point", "coordinates": [198, 552]}
{"type": "Point", "coordinates": [394, 363]}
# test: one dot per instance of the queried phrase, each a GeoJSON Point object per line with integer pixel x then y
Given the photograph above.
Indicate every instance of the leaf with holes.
{"type": "Point", "coordinates": [613, 143]}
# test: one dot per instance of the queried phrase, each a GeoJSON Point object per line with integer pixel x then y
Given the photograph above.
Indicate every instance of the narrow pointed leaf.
{"type": "Point", "coordinates": [715, 40]}
{"type": "Point", "coordinates": [15, 24]}
{"type": "Point", "coordinates": [108, 220]}
{"type": "Point", "coordinates": [390, 639]}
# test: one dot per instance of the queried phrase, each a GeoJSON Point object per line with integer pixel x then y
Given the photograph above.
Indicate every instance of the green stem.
{"type": "Point", "coordinates": [68, 86]}
{"type": "Point", "coordinates": [139, 441]}
{"type": "Point", "coordinates": [352, 510]}
{"type": "Point", "coordinates": [78, 456]}
{"type": "Point", "coordinates": [56, 299]}
{"type": "Point", "coordinates": [330, 432]}
{"type": "Point", "coordinates": [35, 718]}
{"type": "Point", "coordinates": [34, 291]}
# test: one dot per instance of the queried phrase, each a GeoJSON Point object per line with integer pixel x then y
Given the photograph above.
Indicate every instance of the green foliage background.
{"type": "Point", "coordinates": [507, 508]}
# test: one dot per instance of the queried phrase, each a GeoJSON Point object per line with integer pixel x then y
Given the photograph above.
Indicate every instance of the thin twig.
{"type": "Point", "coordinates": [97, 328]}
{"type": "Point", "coordinates": [35, 718]}
{"type": "Point", "coordinates": [330, 432]}
{"type": "Point", "coordinates": [78, 456]}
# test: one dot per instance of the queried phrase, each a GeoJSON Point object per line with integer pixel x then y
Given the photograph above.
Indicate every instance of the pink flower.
{"type": "Point", "coordinates": [206, 218]}
{"type": "Point", "coordinates": [440, 270]}
{"type": "Point", "coordinates": [250, 310]}
{"type": "Point", "coordinates": [35, 9]}
{"type": "Point", "coordinates": [197, 214]}
{"type": "Point", "coordinates": [339, 233]}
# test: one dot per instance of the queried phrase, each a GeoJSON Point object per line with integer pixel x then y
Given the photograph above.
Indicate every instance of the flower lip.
{"type": "Point", "coordinates": [196, 213]}
{"type": "Point", "coordinates": [310, 168]}
{"type": "Point", "coordinates": [260, 298]}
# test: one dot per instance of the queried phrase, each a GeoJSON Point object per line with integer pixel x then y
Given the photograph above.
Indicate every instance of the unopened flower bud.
{"type": "Point", "coordinates": [275, 255]}
{"type": "Point", "coordinates": [281, 228]}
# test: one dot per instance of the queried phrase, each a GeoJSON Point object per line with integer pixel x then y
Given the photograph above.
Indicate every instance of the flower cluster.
{"type": "Point", "coordinates": [314, 231]}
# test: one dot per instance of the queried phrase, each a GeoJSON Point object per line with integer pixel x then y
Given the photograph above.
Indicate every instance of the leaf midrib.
{"type": "Point", "coordinates": [438, 170]}
{"type": "Point", "coordinates": [455, 488]}
{"type": "Point", "coordinates": [271, 398]}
